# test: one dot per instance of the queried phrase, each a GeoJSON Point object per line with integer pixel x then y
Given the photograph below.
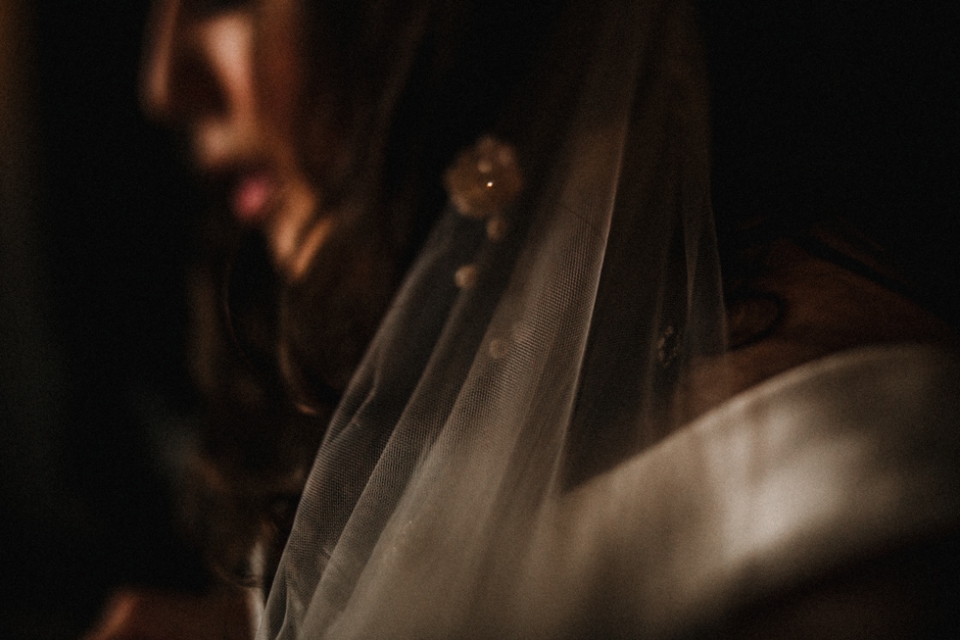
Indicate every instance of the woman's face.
{"type": "Point", "coordinates": [226, 74]}
{"type": "Point", "coordinates": [231, 77]}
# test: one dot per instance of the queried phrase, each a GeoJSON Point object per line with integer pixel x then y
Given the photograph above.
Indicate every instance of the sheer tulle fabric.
{"type": "Point", "coordinates": [433, 504]}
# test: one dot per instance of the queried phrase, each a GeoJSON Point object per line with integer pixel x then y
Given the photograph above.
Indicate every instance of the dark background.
{"type": "Point", "coordinates": [846, 107]}
{"type": "Point", "coordinates": [843, 108]}
{"type": "Point", "coordinates": [112, 218]}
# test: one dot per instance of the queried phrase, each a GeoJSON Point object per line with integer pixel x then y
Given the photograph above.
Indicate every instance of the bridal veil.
{"type": "Point", "coordinates": [539, 341]}
{"type": "Point", "coordinates": [530, 348]}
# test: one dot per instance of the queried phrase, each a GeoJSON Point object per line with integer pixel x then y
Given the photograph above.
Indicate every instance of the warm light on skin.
{"type": "Point", "coordinates": [200, 76]}
{"type": "Point", "coordinates": [297, 235]}
{"type": "Point", "coordinates": [227, 43]}
{"type": "Point", "coordinates": [226, 615]}
{"type": "Point", "coordinates": [251, 97]}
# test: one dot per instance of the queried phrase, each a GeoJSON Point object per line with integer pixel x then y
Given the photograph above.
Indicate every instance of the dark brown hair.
{"type": "Point", "coordinates": [404, 86]}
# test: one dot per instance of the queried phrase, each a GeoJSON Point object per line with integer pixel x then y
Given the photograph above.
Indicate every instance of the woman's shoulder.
{"type": "Point", "coordinates": [808, 301]}
{"type": "Point", "coordinates": [822, 502]}
{"type": "Point", "coordinates": [852, 461]}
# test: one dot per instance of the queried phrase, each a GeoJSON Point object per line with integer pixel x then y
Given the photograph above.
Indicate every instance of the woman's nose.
{"type": "Point", "coordinates": [196, 63]}
{"type": "Point", "coordinates": [156, 86]}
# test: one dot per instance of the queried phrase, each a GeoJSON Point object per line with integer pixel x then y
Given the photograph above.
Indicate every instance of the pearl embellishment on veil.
{"type": "Point", "coordinates": [483, 181]}
{"type": "Point", "coordinates": [465, 276]}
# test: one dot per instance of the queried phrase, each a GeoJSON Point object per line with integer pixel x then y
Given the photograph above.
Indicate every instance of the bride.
{"type": "Point", "coordinates": [586, 408]}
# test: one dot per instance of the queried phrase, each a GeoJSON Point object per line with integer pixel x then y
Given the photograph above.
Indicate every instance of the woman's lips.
{"type": "Point", "coordinates": [253, 194]}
